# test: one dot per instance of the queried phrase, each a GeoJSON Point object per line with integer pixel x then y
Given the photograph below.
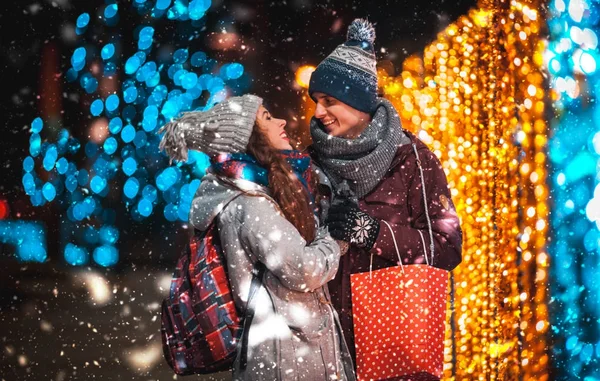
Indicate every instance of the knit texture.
{"type": "Point", "coordinates": [349, 73]}
{"type": "Point", "coordinates": [225, 128]}
{"type": "Point", "coordinates": [362, 161]}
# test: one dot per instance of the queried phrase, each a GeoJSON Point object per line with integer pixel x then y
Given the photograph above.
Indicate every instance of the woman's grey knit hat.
{"type": "Point", "coordinates": [225, 128]}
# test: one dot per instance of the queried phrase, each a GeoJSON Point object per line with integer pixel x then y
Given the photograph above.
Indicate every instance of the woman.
{"type": "Point", "coordinates": [258, 189]}
{"type": "Point", "coordinates": [400, 197]}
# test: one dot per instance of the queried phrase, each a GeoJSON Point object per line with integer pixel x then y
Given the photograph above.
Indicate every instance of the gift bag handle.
{"type": "Point", "coordinates": [397, 250]}
{"type": "Point", "coordinates": [431, 246]}
{"type": "Point", "coordinates": [395, 245]}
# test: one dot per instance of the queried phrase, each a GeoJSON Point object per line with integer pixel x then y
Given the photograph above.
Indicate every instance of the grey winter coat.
{"type": "Point", "coordinates": [295, 333]}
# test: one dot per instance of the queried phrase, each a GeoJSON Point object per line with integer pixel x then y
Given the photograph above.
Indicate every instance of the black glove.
{"type": "Point", "coordinates": [346, 222]}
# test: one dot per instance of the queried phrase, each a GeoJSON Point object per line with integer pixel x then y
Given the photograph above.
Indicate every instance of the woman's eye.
{"type": "Point", "coordinates": [268, 118]}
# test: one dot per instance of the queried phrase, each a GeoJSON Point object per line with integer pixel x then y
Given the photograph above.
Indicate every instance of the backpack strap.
{"type": "Point", "coordinates": [257, 276]}
{"type": "Point", "coordinates": [259, 271]}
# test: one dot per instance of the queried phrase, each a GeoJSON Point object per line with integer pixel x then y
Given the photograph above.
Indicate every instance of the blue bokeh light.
{"type": "Point", "coordinates": [115, 125]}
{"type": "Point", "coordinates": [97, 107]}
{"type": "Point", "coordinates": [37, 125]}
{"type": "Point", "coordinates": [111, 11]}
{"type": "Point", "coordinates": [144, 207]}
{"type": "Point", "coordinates": [88, 83]}
{"type": "Point", "coordinates": [131, 188]}
{"type": "Point", "coordinates": [574, 168]}
{"type": "Point", "coordinates": [198, 8]}
{"type": "Point", "coordinates": [112, 102]}
{"type": "Point", "coordinates": [98, 184]}
{"type": "Point", "coordinates": [28, 164]}
{"type": "Point", "coordinates": [106, 255]}
{"type": "Point", "coordinates": [198, 59]}
{"type": "Point", "coordinates": [108, 51]}
{"type": "Point", "coordinates": [149, 193]}
{"type": "Point", "coordinates": [129, 166]}
{"type": "Point", "coordinates": [49, 191]}
{"type": "Point", "coordinates": [62, 165]}
{"type": "Point", "coordinates": [110, 145]}
{"type": "Point", "coordinates": [156, 87]}
{"type": "Point", "coordinates": [28, 238]}
{"type": "Point", "coordinates": [128, 133]}
{"type": "Point", "coordinates": [83, 20]}
{"type": "Point", "coordinates": [130, 94]}
{"type": "Point", "coordinates": [75, 255]}
{"type": "Point", "coordinates": [109, 235]}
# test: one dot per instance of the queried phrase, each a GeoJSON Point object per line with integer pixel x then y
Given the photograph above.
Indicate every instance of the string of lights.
{"type": "Point", "coordinates": [479, 105]}
{"type": "Point", "coordinates": [476, 97]}
{"type": "Point", "coordinates": [121, 159]}
{"type": "Point", "coordinates": [574, 153]}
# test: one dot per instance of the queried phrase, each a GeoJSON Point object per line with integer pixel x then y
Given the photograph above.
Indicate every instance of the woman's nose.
{"type": "Point", "coordinates": [282, 123]}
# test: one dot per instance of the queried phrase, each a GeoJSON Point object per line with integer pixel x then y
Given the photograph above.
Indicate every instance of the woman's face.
{"type": "Point", "coordinates": [339, 119]}
{"type": "Point", "coordinates": [273, 129]}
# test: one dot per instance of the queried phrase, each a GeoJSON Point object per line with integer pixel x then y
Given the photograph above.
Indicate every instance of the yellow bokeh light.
{"type": "Point", "coordinates": [303, 75]}
{"type": "Point", "coordinates": [469, 104]}
{"type": "Point", "coordinates": [475, 96]}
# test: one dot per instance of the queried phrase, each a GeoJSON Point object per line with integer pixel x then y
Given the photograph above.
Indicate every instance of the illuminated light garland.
{"type": "Point", "coordinates": [476, 98]}
{"type": "Point", "coordinates": [479, 105]}
{"type": "Point", "coordinates": [28, 238]}
{"type": "Point", "coordinates": [123, 160]}
{"type": "Point", "coordinates": [572, 60]}
{"type": "Point", "coordinates": [303, 75]}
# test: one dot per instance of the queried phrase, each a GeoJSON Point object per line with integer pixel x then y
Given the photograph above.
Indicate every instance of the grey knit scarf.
{"type": "Point", "coordinates": [362, 161]}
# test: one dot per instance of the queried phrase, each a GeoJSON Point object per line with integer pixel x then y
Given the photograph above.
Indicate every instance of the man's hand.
{"type": "Point", "coordinates": [346, 222]}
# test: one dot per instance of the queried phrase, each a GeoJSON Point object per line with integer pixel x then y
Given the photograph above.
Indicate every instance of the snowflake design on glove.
{"type": "Point", "coordinates": [348, 223]}
{"type": "Point", "coordinates": [361, 229]}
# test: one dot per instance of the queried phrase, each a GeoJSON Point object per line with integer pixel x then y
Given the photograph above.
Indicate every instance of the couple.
{"type": "Point", "coordinates": [313, 219]}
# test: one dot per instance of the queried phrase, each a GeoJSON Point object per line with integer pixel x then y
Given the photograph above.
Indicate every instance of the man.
{"type": "Point", "coordinates": [398, 193]}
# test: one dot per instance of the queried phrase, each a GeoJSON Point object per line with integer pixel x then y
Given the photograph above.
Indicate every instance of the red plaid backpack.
{"type": "Point", "coordinates": [200, 327]}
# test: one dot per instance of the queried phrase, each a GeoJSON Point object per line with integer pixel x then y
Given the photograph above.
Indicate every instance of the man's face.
{"type": "Point", "coordinates": [339, 119]}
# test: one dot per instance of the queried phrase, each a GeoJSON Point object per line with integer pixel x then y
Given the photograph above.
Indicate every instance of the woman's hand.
{"type": "Point", "coordinates": [344, 246]}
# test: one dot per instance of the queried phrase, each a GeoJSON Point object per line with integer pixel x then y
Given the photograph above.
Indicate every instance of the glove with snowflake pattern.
{"type": "Point", "coordinates": [346, 222]}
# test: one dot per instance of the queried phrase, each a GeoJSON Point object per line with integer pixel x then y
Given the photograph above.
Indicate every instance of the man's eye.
{"type": "Point", "coordinates": [268, 118]}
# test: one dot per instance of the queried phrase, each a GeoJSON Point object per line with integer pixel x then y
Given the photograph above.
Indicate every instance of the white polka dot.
{"type": "Point", "coordinates": [405, 334]}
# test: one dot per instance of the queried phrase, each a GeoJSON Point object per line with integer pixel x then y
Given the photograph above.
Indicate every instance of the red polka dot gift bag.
{"type": "Point", "coordinates": [399, 316]}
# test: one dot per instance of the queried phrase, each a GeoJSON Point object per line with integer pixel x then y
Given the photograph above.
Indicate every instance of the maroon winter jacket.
{"type": "Point", "coordinates": [398, 199]}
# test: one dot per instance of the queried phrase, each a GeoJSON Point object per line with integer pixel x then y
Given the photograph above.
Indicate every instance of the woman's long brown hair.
{"type": "Point", "coordinates": [286, 189]}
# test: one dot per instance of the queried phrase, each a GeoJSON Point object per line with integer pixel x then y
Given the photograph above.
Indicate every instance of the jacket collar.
{"type": "Point", "coordinates": [402, 153]}
{"type": "Point", "coordinates": [407, 150]}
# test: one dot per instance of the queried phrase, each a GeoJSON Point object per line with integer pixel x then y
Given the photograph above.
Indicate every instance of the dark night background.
{"type": "Point", "coordinates": [44, 308]}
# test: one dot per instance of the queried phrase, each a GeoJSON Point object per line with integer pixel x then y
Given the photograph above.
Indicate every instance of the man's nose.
{"type": "Point", "coordinates": [320, 111]}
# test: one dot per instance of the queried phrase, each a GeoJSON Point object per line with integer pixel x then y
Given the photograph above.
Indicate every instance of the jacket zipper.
{"type": "Point", "coordinates": [333, 330]}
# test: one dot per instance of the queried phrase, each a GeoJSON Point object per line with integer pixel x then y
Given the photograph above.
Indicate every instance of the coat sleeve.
{"type": "Point", "coordinates": [276, 243]}
{"type": "Point", "coordinates": [447, 234]}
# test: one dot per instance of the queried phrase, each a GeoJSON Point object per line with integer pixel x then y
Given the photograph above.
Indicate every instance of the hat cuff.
{"type": "Point", "coordinates": [345, 91]}
{"type": "Point", "coordinates": [223, 128]}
